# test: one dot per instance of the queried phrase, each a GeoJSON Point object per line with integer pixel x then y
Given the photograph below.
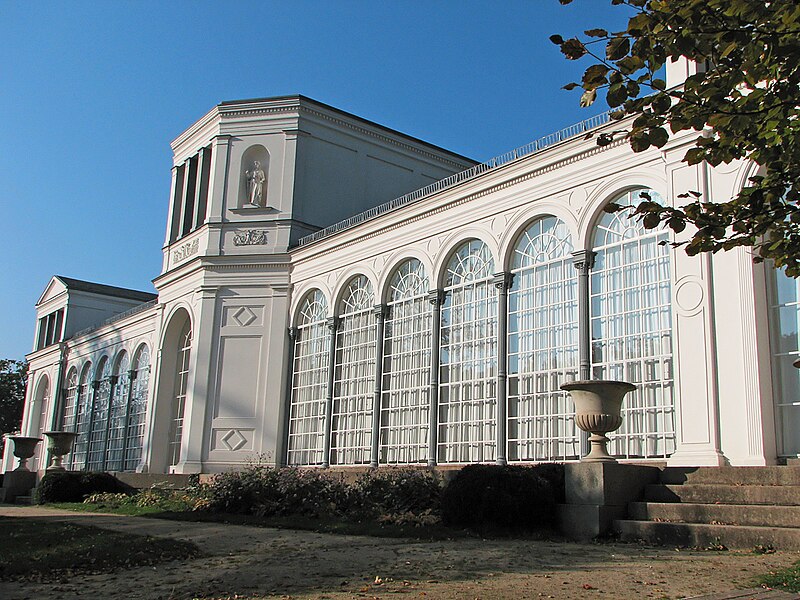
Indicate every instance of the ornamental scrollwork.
{"type": "Point", "coordinates": [250, 237]}
{"type": "Point", "coordinates": [186, 250]}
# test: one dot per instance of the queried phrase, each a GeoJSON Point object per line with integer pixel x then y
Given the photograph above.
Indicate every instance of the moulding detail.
{"type": "Point", "coordinates": [186, 250]}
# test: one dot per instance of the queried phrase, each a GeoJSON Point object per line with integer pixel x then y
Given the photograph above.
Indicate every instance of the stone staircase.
{"type": "Point", "coordinates": [735, 507]}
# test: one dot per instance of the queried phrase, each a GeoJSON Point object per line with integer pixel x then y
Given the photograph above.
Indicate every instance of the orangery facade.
{"type": "Point", "coordinates": [336, 293]}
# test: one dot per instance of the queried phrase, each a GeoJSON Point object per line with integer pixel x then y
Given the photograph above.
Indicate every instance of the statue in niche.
{"type": "Point", "coordinates": [255, 184]}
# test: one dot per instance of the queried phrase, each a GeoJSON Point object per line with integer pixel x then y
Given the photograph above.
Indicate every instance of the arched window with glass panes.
{"type": "Point", "coordinates": [99, 416]}
{"type": "Point", "coordinates": [542, 344]}
{"type": "Point", "coordinates": [70, 403]}
{"type": "Point", "coordinates": [311, 355]}
{"type": "Point", "coordinates": [137, 408]}
{"type": "Point", "coordinates": [631, 327]}
{"type": "Point", "coordinates": [354, 375]}
{"type": "Point", "coordinates": [82, 422]}
{"type": "Point", "coordinates": [405, 387]}
{"type": "Point", "coordinates": [180, 393]}
{"type": "Point", "coordinates": [468, 357]}
{"type": "Point", "coordinates": [120, 388]}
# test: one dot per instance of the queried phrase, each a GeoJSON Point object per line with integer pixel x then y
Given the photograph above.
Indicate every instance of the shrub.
{"type": "Point", "coordinates": [267, 491]}
{"type": "Point", "coordinates": [71, 486]}
{"type": "Point", "coordinates": [504, 496]}
{"type": "Point", "coordinates": [393, 492]}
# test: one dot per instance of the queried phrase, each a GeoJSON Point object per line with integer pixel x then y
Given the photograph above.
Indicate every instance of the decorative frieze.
{"type": "Point", "coordinates": [250, 237]}
{"type": "Point", "coordinates": [186, 250]}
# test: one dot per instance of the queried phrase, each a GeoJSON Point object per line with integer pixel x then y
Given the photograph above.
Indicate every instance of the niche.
{"type": "Point", "coordinates": [253, 177]}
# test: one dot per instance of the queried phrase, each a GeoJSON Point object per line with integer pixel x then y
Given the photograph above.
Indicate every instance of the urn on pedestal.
{"type": "Point", "coordinates": [59, 444]}
{"type": "Point", "coordinates": [24, 448]}
{"type": "Point", "coordinates": [598, 410]}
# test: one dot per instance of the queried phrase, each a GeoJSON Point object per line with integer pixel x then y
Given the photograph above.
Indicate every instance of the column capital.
{"type": "Point", "coordinates": [583, 260]}
{"type": "Point", "coordinates": [503, 280]}
{"type": "Point", "coordinates": [436, 297]}
{"type": "Point", "coordinates": [332, 323]}
{"type": "Point", "coordinates": [293, 333]}
{"type": "Point", "coordinates": [381, 311]}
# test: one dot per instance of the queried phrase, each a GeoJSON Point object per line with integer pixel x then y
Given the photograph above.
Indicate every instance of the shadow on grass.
{"type": "Point", "coordinates": [333, 525]}
{"type": "Point", "coordinates": [42, 550]}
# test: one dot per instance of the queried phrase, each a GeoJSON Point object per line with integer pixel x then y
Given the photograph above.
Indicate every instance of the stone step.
{"type": "Point", "coordinates": [27, 500]}
{"type": "Point", "coordinates": [708, 536]}
{"type": "Point", "coordinates": [775, 475]}
{"type": "Point", "coordinates": [785, 495]}
{"type": "Point", "coordinates": [758, 515]}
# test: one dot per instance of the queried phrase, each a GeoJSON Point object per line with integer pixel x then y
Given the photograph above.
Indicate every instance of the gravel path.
{"type": "Point", "coordinates": [251, 562]}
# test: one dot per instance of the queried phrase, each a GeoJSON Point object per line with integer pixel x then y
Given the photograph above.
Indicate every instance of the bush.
{"type": "Point", "coordinates": [71, 486]}
{"type": "Point", "coordinates": [504, 496]}
{"type": "Point", "coordinates": [266, 491]}
{"type": "Point", "coordinates": [393, 492]}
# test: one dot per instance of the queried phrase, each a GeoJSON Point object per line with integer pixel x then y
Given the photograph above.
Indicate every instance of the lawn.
{"type": "Point", "coordinates": [43, 550]}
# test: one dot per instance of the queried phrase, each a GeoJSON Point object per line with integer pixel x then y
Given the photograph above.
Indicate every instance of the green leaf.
{"type": "Point", "coordinates": [617, 48]}
{"type": "Point", "coordinates": [596, 32]}
{"type": "Point", "coordinates": [557, 39]}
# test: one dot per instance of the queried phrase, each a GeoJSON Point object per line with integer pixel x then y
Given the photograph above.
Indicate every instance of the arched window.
{"type": "Point", "coordinates": [309, 382]}
{"type": "Point", "coordinates": [99, 416]}
{"type": "Point", "coordinates": [354, 375]}
{"type": "Point", "coordinates": [115, 446]}
{"type": "Point", "coordinates": [137, 409]}
{"type": "Point", "coordinates": [179, 396]}
{"type": "Point", "coordinates": [468, 358]}
{"type": "Point", "coordinates": [82, 418]}
{"type": "Point", "coordinates": [542, 344]}
{"type": "Point", "coordinates": [70, 400]}
{"type": "Point", "coordinates": [631, 328]}
{"type": "Point", "coordinates": [41, 406]}
{"type": "Point", "coordinates": [784, 320]}
{"type": "Point", "coordinates": [405, 402]}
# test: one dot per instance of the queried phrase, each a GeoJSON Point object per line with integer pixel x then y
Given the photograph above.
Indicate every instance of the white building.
{"type": "Point", "coordinates": [318, 265]}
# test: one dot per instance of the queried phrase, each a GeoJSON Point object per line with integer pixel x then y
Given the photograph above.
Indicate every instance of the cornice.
{"type": "Point", "coordinates": [256, 108]}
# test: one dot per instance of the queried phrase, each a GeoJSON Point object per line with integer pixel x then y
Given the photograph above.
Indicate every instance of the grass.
{"type": "Point", "coordinates": [786, 579]}
{"type": "Point", "coordinates": [42, 550]}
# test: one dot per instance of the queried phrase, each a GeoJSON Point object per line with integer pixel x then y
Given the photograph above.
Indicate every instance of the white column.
{"type": "Point", "coordinates": [220, 149]}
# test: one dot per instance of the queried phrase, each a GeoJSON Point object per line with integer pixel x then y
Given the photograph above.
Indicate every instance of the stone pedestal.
{"type": "Point", "coordinates": [596, 493]}
{"type": "Point", "coordinates": [17, 483]}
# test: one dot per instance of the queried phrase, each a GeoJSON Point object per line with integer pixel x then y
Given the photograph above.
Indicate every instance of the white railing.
{"type": "Point", "coordinates": [457, 178]}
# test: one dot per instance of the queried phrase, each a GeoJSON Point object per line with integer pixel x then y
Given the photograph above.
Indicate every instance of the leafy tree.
{"type": "Point", "coordinates": [745, 104]}
{"type": "Point", "coordinates": [13, 377]}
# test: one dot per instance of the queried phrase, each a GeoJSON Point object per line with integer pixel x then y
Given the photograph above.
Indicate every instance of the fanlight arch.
{"type": "Point", "coordinates": [631, 326]}
{"type": "Point", "coordinates": [41, 406]}
{"type": "Point", "coordinates": [542, 344]}
{"type": "Point", "coordinates": [405, 403]}
{"type": "Point", "coordinates": [311, 356]}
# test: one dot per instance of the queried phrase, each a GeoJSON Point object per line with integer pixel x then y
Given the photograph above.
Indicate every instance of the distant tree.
{"type": "Point", "coordinates": [13, 378]}
{"type": "Point", "coordinates": [744, 104]}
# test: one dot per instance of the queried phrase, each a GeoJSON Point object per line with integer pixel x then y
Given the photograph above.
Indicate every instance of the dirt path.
{"type": "Point", "coordinates": [269, 563]}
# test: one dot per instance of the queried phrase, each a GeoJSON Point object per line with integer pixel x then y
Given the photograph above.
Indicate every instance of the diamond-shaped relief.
{"type": "Point", "coordinates": [244, 316]}
{"type": "Point", "coordinates": [233, 440]}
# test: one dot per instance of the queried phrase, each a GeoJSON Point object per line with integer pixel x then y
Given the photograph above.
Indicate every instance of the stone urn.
{"type": "Point", "coordinates": [59, 444]}
{"type": "Point", "coordinates": [24, 448]}
{"type": "Point", "coordinates": [796, 364]}
{"type": "Point", "coordinates": [598, 410]}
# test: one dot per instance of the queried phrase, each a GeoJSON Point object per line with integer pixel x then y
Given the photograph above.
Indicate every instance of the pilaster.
{"type": "Point", "coordinates": [198, 386]}
{"type": "Point", "coordinates": [502, 281]}
{"type": "Point", "coordinates": [381, 313]}
{"type": "Point", "coordinates": [333, 325]}
{"type": "Point", "coordinates": [436, 299]}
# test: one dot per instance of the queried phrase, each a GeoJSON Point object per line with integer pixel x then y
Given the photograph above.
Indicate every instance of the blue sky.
{"type": "Point", "coordinates": [91, 94]}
